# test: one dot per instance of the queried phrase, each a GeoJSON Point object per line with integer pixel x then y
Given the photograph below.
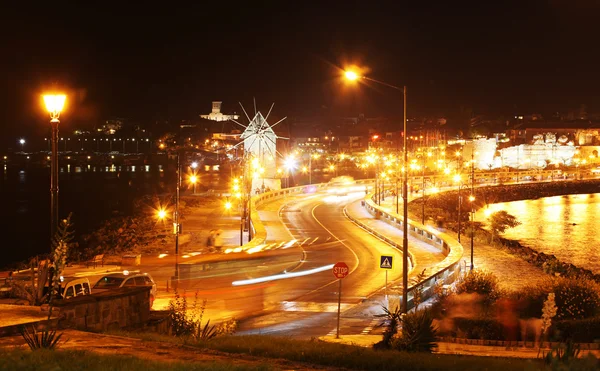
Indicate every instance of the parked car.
{"type": "Point", "coordinates": [113, 281]}
{"type": "Point", "coordinates": [74, 286]}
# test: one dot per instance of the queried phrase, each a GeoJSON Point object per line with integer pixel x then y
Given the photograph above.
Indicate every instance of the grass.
{"type": "Point", "coordinates": [346, 356]}
{"type": "Point", "coordinates": [67, 360]}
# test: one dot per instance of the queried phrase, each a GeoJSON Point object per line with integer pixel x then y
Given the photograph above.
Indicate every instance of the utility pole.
{"type": "Point", "coordinates": [472, 202]}
{"type": "Point", "coordinates": [423, 199]}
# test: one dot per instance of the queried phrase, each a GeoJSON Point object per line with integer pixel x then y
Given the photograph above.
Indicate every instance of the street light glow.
{"type": "Point", "coordinates": [290, 163]}
{"type": "Point", "coordinates": [54, 104]}
{"type": "Point", "coordinates": [194, 165]}
{"type": "Point", "coordinates": [351, 75]}
{"type": "Point", "coordinates": [22, 141]}
{"type": "Point", "coordinates": [161, 214]}
{"type": "Point", "coordinates": [193, 179]}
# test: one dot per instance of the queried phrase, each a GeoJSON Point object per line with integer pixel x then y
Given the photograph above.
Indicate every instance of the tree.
{"type": "Point", "coordinates": [500, 221]}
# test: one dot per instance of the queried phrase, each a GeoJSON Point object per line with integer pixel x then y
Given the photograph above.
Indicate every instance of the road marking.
{"type": "Point", "coordinates": [292, 236]}
{"type": "Point", "coordinates": [337, 238]}
{"type": "Point", "coordinates": [307, 306]}
{"type": "Point", "coordinates": [340, 241]}
{"type": "Point", "coordinates": [369, 328]}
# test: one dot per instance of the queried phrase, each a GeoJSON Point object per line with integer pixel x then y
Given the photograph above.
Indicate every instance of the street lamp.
{"type": "Point", "coordinates": [472, 200]}
{"type": "Point", "coordinates": [22, 143]}
{"type": "Point", "coordinates": [54, 104]}
{"type": "Point", "coordinates": [193, 179]}
{"type": "Point", "coordinates": [352, 76]}
{"type": "Point", "coordinates": [460, 187]}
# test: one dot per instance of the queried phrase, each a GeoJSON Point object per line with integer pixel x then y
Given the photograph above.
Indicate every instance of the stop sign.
{"type": "Point", "coordinates": [340, 270]}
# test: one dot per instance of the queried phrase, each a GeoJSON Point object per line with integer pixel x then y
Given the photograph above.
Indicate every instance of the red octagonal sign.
{"type": "Point", "coordinates": [340, 270]}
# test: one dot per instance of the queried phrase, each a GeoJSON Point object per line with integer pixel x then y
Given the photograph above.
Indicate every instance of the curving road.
{"type": "Point", "coordinates": [307, 305]}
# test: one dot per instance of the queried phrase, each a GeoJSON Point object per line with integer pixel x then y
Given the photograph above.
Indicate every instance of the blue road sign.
{"type": "Point", "coordinates": [386, 262]}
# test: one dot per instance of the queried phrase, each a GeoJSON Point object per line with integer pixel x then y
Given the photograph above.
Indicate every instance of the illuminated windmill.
{"type": "Point", "coordinates": [260, 142]}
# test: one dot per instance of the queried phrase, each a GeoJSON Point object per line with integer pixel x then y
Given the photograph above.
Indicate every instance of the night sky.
{"type": "Point", "coordinates": [150, 63]}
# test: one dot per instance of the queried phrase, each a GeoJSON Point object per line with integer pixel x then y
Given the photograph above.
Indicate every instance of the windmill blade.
{"type": "Point", "coordinates": [245, 127]}
{"type": "Point", "coordinates": [254, 98]}
{"type": "Point", "coordinates": [251, 144]}
{"type": "Point", "coordinates": [268, 113]}
{"type": "Point", "coordinates": [275, 143]}
{"type": "Point", "coordinates": [278, 122]}
{"type": "Point", "coordinates": [278, 137]}
{"type": "Point", "coordinates": [234, 146]}
{"type": "Point", "coordinates": [246, 113]}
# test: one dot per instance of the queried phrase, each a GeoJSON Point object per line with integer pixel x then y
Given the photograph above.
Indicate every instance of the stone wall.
{"type": "Point", "coordinates": [109, 310]}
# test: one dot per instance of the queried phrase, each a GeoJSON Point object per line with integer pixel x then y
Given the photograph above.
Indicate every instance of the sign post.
{"type": "Point", "coordinates": [340, 270]}
{"type": "Point", "coordinates": [386, 262]}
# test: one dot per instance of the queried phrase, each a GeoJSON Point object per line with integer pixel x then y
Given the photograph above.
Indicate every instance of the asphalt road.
{"type": "Point", "coordinates": [307, 306]}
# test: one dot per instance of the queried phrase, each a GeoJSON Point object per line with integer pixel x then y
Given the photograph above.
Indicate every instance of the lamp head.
{"type": "Point", "coordinates": [351, 75]}
{"type": "Point", "coordinates": [54, 104]}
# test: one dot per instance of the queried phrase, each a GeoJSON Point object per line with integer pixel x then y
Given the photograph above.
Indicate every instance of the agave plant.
{"type": "Point", "coordinates": [46, 339]}
{"type": "Point", "coordinates": [205, 333]}
{"type": "Point", "coordinates": [418, 333]}
{"type": "Point", "coordinates": [563, 353]}
{"type": "Point", "coordinates": [391, 320]}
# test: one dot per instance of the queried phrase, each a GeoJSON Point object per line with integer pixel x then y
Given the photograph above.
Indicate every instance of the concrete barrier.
{"type": "Point", "coordinates": [446, 271]}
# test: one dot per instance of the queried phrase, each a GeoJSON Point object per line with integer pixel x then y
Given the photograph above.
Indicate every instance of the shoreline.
{"type": "Point", "coordinates": [448, 202]}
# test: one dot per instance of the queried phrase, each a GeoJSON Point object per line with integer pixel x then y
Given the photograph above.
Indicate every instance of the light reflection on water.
{"type": "Point", "coordinates": [564, 226]}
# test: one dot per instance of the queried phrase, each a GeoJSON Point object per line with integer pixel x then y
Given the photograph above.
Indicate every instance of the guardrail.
{"type": "Point", "coordinates": [446, 271]}
{"type": "Point", "coordinates": [260, 233]}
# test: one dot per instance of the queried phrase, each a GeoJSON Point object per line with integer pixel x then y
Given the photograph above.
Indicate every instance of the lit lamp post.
{"type": "Point", "coordinates": [352, 76]}
{"type": "Point", "coordinates": [193, 179]}
{"type": "Point", "coordinates": [22, 143]}
{"type": "Point", "coordinates": [472, 200]}
{"type": "Point", "coordinates": [54, 105]}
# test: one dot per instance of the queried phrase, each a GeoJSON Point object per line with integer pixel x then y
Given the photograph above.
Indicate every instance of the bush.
{"type": "Point", "coordinates": [479, 282]}
{"type": "Point", "coordinates": [185, 324]}
{"type": "Point", "coordinates": [418, 333]}
{"type": "Point", "coordinates": [478, 328]}
{"type": "Point", "coordinates": [580, 331]}
{"type": "Point", "coordinates": [576, 298]}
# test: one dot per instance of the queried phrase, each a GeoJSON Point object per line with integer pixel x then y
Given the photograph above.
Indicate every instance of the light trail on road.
{"type": "Point", "coordinates": [282, 276]}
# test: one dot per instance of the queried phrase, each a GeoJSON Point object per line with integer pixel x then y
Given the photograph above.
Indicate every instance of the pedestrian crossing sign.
{"type": "Point", "coordinates": [386, 262]}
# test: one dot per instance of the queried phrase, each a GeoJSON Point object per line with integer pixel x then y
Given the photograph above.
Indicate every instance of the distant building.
{"type": "Point", "coordinates": [217, 115]}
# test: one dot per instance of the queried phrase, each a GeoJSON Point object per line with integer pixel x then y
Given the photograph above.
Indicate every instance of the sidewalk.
{"type": "Point", "coordinates": [512, 272]}
{"type": "Point", "coordinates": [424, 255]}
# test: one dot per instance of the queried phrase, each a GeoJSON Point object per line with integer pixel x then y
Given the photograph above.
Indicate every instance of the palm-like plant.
{"type": "Point", "coordinates": [418, 333]}
{"type": "Point", "coordinates": [47, 339]}
{"type": "Point", "coordinates": [391, 320]}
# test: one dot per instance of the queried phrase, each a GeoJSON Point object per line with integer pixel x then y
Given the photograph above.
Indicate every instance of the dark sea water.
{"type": "Point", "coordinates": [92, 193]}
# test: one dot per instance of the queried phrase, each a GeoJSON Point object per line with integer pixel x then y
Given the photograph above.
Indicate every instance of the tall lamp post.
{"type": "Point", "coordinates": [176, 224]}
{"type": "Point", "coordinates": [54, 105]}
{"type": "Point", "coordinates": [472, 199]}
{"type": "Point", "coordinates": [351, 75]}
